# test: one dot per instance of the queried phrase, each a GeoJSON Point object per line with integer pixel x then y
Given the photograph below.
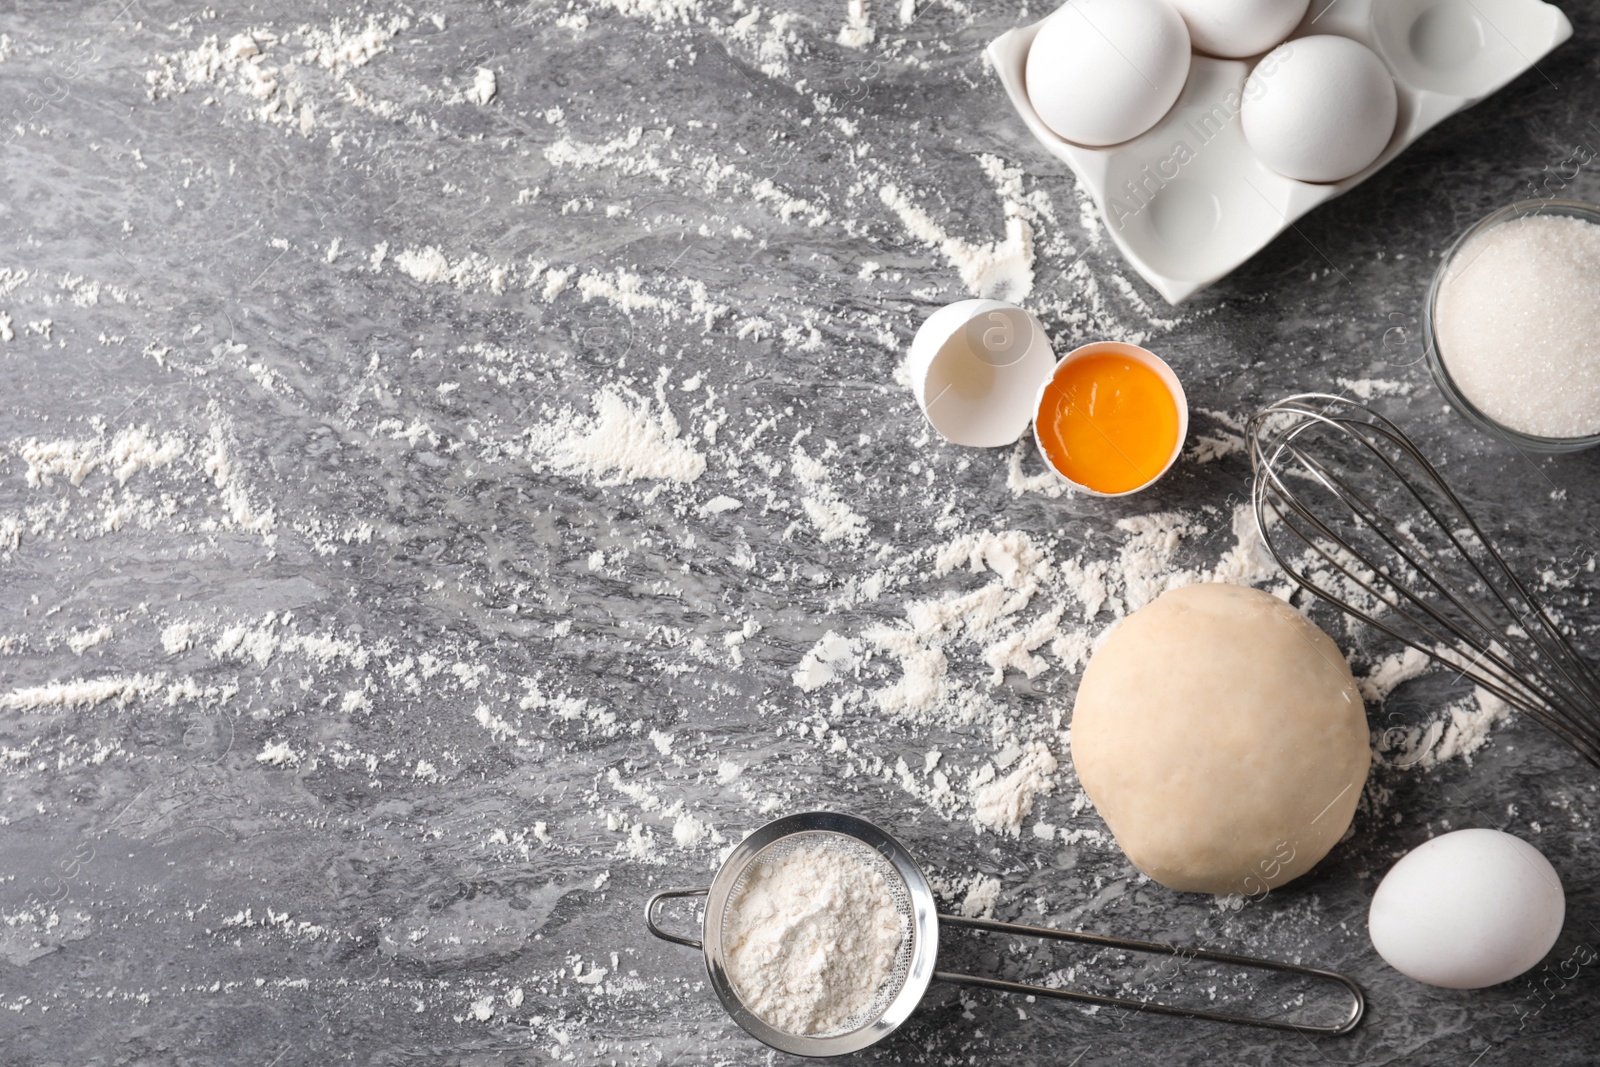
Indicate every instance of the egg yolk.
{"type": "Point", "coordinates": [1108, 422]}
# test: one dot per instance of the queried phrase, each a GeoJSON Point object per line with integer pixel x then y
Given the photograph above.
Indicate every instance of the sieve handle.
{"type": "Point", "coordinates": [1357, 1007]}
{"type": "Point", "coordinates": [650, 915]}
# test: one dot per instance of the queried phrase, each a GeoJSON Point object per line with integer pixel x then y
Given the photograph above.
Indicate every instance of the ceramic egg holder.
{"type": "Point", "coordinates": [1188, 201]}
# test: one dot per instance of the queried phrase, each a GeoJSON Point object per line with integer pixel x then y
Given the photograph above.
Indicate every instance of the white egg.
{"type": "Point", "coordinates": [1101, 72]}
{"type": "Point", "coordinates": [1319, 109]}
{"type": "Point", "coordinates": [1468, 909]}
{"type": "Point", "coordinates": [1236, 28]}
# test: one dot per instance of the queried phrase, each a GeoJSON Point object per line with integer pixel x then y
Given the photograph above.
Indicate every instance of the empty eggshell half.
{"type": "Point", "coordinates": [1233, 29]}
{"type": "Point", "coordinates": [1101, 72]}
{"type": "Point", "coordinates": [1319, 109]}
{"type": "Point", "coordinates": [976, 367]}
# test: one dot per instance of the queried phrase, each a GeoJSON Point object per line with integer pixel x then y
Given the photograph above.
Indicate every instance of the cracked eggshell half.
{"type": "Point", "coordinates": [976, 367]}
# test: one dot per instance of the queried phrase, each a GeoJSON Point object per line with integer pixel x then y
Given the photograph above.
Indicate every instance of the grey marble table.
{"type": "Point", "coordinates": [434, 439]}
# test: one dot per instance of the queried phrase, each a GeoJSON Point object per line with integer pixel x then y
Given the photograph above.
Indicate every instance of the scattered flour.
{"type": "Point", "coordinates": [1369, 388]}
{"type": "Point", "coordinates": [1458, 732]}
{"type": "Point", "coordinates": [1002, 804]}
{"type": "Point", "coordinates": [1044, 482]}
{"type": "Point", "coordinates": [80, 641]}
{"type": "Point", "coordinates": [856, 32]}
{"type": "Point", "coordinates": [834, 518]}
{"type": "Point", "coordinates": [987, 617]}
{"type": "Point", "coordinates": [982, 894]}
{"type": "Point", "coordinates": [123, 455]}
{"type": "Point", "coordinates": [625, 440]}
{"type": "Point", "coordinates": [1032, 610]}
{"type": "Point", "coordinates": [426, 265]}
{"type": "Point", "coordinates": [1001, 270]}
{"type": "Point", "coordinates": [483, 87]}
{"type": "Point", "coordinates": [430, 266]}
{"type": "Point", "coordinates": [830, 656]}
{"type": "Point", "coordinates": [123, 689]}
{"type": "Point", "coordinates": [1389, 673]}
{"type": "Point", "coordinates": [1226, 441]}
{"type": "Point", "coordinates": [278, 754]}
{"type": "Point", "coordinates": [687, 830]}
{"type": "Point", "coordinates": [218, 464]}
{"type": "Point", "coordinates": [341, 46]}
{"type": "Point", "coordinates": [269, 68]}
{"type": "Point", "coordinates": [719, 504]}
{"type": "Point", "coordinates": [10, 535]}
{"type": "Point", "coordinates": [659, 11]}
{"type": "Point", "coordinates": [178, 637]}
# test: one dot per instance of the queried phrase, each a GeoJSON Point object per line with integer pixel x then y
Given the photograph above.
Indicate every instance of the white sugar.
{"type": "Point", "coordinates": [1519, 325]}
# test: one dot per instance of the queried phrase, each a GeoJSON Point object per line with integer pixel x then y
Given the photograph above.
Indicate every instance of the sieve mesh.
{"type": "Point", "coordinates": [827, 841]}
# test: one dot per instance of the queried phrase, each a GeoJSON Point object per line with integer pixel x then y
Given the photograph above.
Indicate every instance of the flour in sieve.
{"type": "Point", "coordinates": [812, 937]}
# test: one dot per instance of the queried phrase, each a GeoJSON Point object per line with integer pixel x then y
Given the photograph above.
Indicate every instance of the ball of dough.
{"type": "Point", "coordinates": [1222, 738]}
{"type": "Point", "coordinates": [1234, 29]}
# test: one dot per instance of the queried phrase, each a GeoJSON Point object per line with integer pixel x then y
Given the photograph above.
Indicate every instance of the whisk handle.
{"type": "Point", "coordinates": [650, 915]}
{"type": "Point", "coordinates": [1357, 1006]}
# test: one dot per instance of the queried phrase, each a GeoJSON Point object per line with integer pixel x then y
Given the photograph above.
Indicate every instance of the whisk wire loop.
{"type": "Point", "coordinates": [1437, 584]}
{"type": "Point", "coordinates": [1368, 514]}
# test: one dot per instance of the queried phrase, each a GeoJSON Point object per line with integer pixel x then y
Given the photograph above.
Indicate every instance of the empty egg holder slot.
{"type": "Point", "coordinates": [1187, 201]}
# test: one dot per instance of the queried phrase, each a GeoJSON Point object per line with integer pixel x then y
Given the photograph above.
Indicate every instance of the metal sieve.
{"type": "Point", "coordinates": [914, 967]}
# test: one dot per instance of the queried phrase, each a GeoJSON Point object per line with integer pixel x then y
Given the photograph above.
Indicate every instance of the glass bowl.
{"type": "Point", "coordinates": [1437, 362]}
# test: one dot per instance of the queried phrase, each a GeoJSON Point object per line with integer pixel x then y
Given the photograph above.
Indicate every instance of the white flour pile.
{"type": "Point", "coordinates": [812, 938]}
{"type": "Point", "coordinates": [624, 441]}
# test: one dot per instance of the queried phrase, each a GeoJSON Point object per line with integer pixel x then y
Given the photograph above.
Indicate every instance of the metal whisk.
{"type": "Point", "coordinates": [1354, 512]}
